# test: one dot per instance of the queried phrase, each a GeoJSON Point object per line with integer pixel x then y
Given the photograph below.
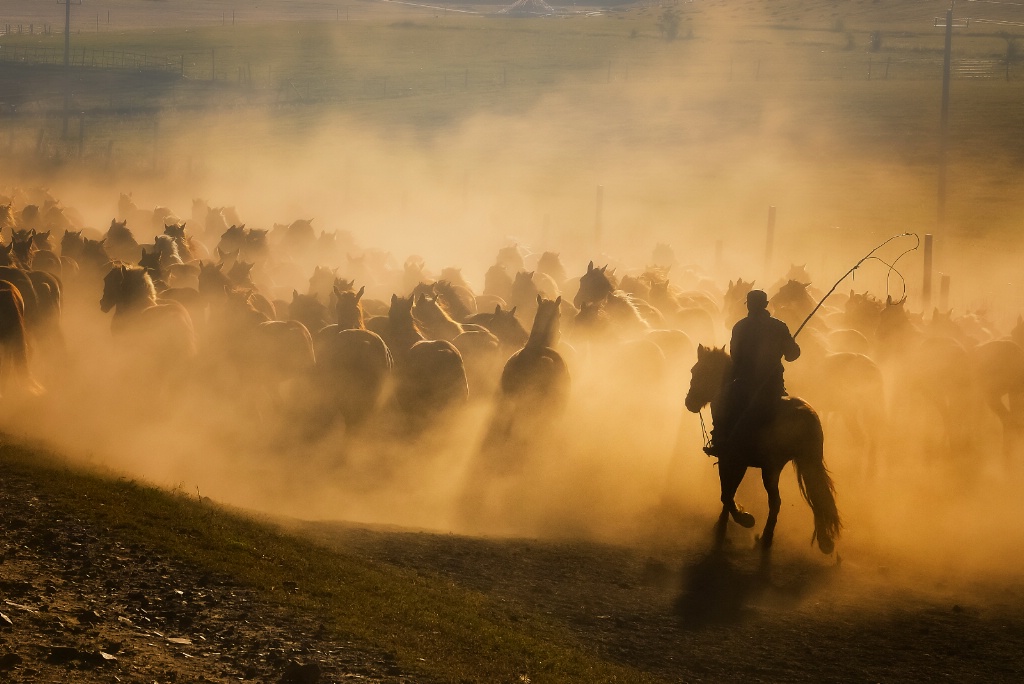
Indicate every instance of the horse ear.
{"type": "Point", "coordinates": [590, 267]}
{"type": "Point", "coordinates": [604, 268]}
{"type": "Point", "coordinates": [539, 299]}
{"type": "Point", "coordinates": [558, 300]}
{"type": "Point", "coordinates": [730, 285]}
{"type": "Point", "coordinates": [701, 349]}
{"type": "Point", "coordinates": [512, 311]}
{"type": "Point", "coordinates": [295, 295]}
{"type": "Point", "coordinates": [497, 309]}
{"type": "Point", "coordinates": [888, 300]}
{"type": "Point", "coordinates": [359, 295]}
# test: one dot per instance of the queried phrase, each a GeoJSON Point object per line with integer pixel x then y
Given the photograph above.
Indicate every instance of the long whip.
{"type": "Point", "coordinates": [869, 255]}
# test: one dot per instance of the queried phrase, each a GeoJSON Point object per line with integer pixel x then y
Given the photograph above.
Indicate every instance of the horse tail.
{"type": "Point", "coordinates": [820, 494]}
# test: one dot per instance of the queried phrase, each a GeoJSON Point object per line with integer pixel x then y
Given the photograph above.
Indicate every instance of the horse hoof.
{"type": "Point", "coordinates": [826, 546]}
{"type": "Point", "coordinates": [744, 519]}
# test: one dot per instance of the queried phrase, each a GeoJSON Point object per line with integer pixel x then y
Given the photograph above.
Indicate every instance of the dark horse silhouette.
{"type": "Point", "coordinates": [793, 434]}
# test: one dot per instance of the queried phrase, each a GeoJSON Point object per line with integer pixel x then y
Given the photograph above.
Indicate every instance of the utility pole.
{"type": "Point", "coordinates": [67, 63]}
{"type": "Point", "coordinates": [944, 116]}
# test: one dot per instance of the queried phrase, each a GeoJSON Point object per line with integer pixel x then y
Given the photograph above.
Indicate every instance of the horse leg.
{"type": "Point", "coordinates": [731, 475]}
{"type": "Point", "coordinates": [770, 478]}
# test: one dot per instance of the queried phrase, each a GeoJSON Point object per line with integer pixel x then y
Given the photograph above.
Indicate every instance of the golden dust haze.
{"type": "Point", "coordinates": [690, 142]}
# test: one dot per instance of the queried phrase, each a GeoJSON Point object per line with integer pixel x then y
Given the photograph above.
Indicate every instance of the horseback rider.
{"type": "Point", "coordinates": [759, 344]}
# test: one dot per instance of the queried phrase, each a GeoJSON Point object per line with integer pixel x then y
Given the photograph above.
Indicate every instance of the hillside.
{"type": "Point", "coordinates": [103, 578]}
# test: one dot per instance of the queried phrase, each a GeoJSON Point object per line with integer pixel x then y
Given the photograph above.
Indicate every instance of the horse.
{"type": "Point", "coordinates": [456, 299]}
{"type": "Point", "coordinates": [433, 320]}
{"type": "Point", "coordinates": [157, 335]}
{"type": "Point", "coordinates": [120, 243]}
{"type": "Point", "coordinates": [794, 433]}
{"type": "Point", "coordinates": [999, 370]}
{"type": "Point", "coordinates": [550, 264]}
{"type": "Point", "coordinates": [597, 285]}
{"type": "Point", "coordinates": [735, 306]}
{"type": "Point", "coordinates": [537, 373]}
{"type": "Point", "coordinates": [793, 303]}
{"type": "Point", "coordinates": [14, 344]}
{"type": "Point", "coordinates": [353, 364]}
{"type": "Point", "coordinates": [504, 325]}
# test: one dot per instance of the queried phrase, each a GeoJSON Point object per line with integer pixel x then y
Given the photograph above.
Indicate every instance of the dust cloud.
{"type": "Point", "coordinates": [595, 172]}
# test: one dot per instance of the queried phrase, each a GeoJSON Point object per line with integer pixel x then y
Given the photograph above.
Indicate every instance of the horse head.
{"type": "Point", "coordinates": [595, 285]}
{"type": "Point", "coordinates": [349, 310]}
{"type": "Point", "coordinates": [707, 377]}
{"type": "Point", "coordinates": [113, 287]}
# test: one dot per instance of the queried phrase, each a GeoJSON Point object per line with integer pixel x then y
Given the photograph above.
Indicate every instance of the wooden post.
{"type": "Point", "coordinates": [769, 243]}
{"type": "Point", "coordinates": [926, 290]}
{"type": "Point", "coordinates": [597, 216]}
{"type": "Point", "coordinates": [944, 120]}
{"type": "Point", "coordinates": [944, 292]}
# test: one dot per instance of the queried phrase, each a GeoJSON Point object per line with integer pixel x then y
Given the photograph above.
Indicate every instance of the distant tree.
{"type": "Point", "coordinates": [668, 23]}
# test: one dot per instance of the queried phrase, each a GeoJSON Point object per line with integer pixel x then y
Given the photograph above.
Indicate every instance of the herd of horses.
{"type": "Point", "coordinates": [342, 338]}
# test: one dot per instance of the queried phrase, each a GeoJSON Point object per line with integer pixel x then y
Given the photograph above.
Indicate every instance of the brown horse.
{"type": "Point", "coordinates": [537, 373]}
{"type": "Point", "coordinates": [14, 345]}
{"type": "Point", "coordinates": [598, 286]}
{"type": "Point", "coordinates": [353, 365]}
{"type": "Point", "coordinates": [156, 338]}
{"type": "Point", "coordinates": [793, 434]}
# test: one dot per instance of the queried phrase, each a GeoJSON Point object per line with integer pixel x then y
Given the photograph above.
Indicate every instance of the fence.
{"type": "Point", "coordinates": [83, 57]}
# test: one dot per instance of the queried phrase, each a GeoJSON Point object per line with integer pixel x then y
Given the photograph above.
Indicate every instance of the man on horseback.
{"type": "Point", "coordinates": [758, 346]}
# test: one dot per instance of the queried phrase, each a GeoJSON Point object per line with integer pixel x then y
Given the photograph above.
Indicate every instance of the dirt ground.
{"type": "Point", "coordinates": [79, 605]}
{"type": "Point", "coordinates": [690, 615]}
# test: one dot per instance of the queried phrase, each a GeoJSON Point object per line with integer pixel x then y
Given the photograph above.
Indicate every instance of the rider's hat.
{"type": "Point", "coordinates": [757, 299]}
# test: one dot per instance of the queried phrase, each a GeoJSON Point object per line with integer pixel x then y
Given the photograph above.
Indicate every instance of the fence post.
{"type": "Point", "coordinates": [944, 292]}
{"type": "Point", "coordinates": [926, 290]}
{"type": "Point", "coordinates": [770, 242]}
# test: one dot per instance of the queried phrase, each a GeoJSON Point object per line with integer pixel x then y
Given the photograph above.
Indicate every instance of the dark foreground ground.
{"type": "Point", "coordinates": [78, 604]}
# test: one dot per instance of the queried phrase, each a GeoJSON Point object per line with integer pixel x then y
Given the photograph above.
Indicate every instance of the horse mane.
{"type": "Point", "coordinates": [434, 317]}
{"type": "Point", "coordinates": [167, 249]}
{"type": "Point", "coordinates": [544, 332]}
